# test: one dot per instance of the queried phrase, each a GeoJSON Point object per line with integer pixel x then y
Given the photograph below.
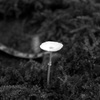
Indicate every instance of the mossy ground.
{"type": "Point", "coordinates": [75, 74]}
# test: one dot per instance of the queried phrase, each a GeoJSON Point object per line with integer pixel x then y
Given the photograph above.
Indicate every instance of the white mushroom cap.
{"type": "Point", "coordinates": [51, 46]}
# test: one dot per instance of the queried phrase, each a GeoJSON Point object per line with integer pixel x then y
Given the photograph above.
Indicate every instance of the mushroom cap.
{"type": "Point", "coordinates": [51, 46]}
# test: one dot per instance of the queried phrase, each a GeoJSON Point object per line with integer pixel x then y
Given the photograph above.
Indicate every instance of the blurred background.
{"type": "Point", "coordinates": [25, 24]}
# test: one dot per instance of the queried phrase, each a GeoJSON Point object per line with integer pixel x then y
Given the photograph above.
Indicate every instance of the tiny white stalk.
{"type": "Point", "coordinates": [50, 46]}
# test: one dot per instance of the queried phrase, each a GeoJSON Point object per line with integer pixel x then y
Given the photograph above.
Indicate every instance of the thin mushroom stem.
{"type": "Point", "coordinates": [49, 65]}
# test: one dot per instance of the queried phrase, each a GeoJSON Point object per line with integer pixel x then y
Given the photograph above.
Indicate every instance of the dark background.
{"type": "Point", "coordinates": [75, 73]}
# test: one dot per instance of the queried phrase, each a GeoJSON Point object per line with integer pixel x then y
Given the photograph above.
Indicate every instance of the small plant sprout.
{"type": "Point", "coordinates": [50, 47]}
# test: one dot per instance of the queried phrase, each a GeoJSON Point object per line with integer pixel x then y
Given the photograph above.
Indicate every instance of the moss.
{"type": "Point", "coordinates": [75, 71]}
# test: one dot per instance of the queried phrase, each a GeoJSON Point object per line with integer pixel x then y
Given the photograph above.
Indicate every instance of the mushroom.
{"type": "Point", "coordinates": [50, 46]}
